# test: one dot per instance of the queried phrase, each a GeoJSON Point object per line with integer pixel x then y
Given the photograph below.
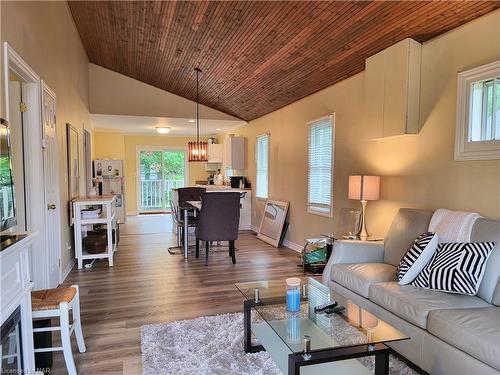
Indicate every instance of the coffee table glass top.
{"type": "Point", "coordinates": [352, 326]}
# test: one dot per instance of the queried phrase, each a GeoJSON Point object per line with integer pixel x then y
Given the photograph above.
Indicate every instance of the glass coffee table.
{"type": "Point", "coordinates": [313, 343]}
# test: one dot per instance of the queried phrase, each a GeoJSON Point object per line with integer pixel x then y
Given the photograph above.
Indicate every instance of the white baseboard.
{"type": "Point", "coordinates": [286, 243]}
{"type": "Point", "coordinates": [292, 246]}
{"type": "Point", "coordinates": [67, 270]}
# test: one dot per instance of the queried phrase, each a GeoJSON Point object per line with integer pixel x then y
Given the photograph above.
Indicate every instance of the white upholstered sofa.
{"type": "Point", "coordinates": [450, 333]}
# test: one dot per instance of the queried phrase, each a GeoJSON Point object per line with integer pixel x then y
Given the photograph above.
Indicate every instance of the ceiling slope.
{"type": "Point", "coordinates": [255, 56]}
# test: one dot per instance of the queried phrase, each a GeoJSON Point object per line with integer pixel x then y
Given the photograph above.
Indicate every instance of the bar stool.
{"type": "Point", "coordinates": [53, 303]}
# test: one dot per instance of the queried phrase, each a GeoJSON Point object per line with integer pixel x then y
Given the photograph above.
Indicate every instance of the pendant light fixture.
{"type": "Point", "coordinates": [197, 150]}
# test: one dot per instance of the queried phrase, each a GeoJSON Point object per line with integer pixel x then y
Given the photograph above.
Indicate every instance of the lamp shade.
{"type": "Point", "coordinates": [364, 188]}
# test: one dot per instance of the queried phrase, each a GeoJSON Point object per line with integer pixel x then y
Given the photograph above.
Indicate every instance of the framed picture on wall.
{"type": "Point", "coordinates": [73, 165]}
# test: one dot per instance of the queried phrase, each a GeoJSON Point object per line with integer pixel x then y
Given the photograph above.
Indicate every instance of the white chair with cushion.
{"type": "Point", "coordinates": [57, 303]}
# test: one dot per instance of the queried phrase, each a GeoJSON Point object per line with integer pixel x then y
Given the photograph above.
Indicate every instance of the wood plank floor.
{"type": "Point", "coordinates": [148, 285]}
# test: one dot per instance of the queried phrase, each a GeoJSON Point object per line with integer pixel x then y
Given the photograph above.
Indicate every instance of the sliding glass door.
{"type": "Point", "coordinates": [160, 172]}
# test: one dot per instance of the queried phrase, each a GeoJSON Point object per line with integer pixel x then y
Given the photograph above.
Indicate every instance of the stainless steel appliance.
{"type": "Point", "coordinates": [235, 181]}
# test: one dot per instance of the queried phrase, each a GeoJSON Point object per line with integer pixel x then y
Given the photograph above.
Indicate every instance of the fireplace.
{"type": "Point", "coordinates": [11, 345]}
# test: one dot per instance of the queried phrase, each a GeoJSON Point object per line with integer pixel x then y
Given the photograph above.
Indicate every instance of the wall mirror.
{"type": "Point", "coordinates": [273, 220]}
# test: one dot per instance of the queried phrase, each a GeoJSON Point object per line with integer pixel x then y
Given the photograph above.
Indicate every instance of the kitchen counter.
{"type": "Point", "coordinates": [221, 187]}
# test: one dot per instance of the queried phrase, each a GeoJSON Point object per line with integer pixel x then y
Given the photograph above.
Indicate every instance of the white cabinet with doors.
{"type": "Point", "coordinates": [392, 89]}
{"type": "Point", "coordinates": [234, 156]}
{"type": "Point", "coordinates": [215, 153]}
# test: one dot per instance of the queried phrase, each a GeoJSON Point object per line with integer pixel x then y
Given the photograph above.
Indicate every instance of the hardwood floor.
{"type": "Point", "coordinates": [148, 285]}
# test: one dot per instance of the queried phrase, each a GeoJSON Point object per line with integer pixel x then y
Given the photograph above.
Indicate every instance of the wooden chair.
{"type": "Point", "coordinates": [57, 303]}
{"type": "Point", "coordinates": [219, 220]}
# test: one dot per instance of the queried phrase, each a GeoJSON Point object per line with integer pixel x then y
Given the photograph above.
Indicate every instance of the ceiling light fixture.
{"type": "Point", "coordinates": [191, 120]}
{"type": "Point", "coordinates": [162, 129]}
{"type": "Point", "coordinates": [197, 150]}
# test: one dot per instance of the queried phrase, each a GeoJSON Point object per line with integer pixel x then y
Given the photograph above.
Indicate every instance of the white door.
{"type": "Point", "coordinates": [51, 176]}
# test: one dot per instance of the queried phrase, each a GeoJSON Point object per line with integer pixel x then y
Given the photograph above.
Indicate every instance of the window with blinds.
{"type": "Point", "coordinates": [262, 165]}
{"type": "Point", "coordinates": [320, 166]}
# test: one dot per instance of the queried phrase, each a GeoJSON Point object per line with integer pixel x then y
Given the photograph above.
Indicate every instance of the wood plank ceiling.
{"type": "Point", "coordinates": [255, 56]}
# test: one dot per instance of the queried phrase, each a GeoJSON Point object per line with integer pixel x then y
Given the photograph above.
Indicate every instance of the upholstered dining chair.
{"type": "Point", "coordinates": [219, 220]}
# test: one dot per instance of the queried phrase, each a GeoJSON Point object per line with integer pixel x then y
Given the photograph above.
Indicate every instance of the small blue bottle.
{"type": "Point", "coordinates": [293, 294]}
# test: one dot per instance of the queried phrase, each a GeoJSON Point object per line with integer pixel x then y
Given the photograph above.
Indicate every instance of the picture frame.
{"type": "Point", "coordinates": [73, 156]}
{"type": "Point", "coordinates": [273, 221]}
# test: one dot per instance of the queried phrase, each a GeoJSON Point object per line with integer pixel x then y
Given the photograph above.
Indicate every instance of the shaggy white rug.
{"type": "Point", "coordinates": [213, 345]}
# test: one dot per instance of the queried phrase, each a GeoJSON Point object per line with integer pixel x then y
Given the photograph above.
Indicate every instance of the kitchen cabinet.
{"type": "Point", "coordinates": [392, 89]}
{"type": "Point", "coordinates": [215, 153]}
{"type": "Point", "coordinates": [235, 153]}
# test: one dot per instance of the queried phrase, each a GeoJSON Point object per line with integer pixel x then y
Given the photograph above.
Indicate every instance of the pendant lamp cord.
{"type": "Point", "coordinates": [197, 106]}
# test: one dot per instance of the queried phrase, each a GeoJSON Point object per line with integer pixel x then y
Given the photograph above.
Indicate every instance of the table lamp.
{"type": "Point", "coordinates": [364, 189]}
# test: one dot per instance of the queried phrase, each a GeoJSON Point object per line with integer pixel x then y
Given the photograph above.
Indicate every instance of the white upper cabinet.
{"type": "Point", "coordinates": [235, 152]}
{"type": "Point", "coordinates": [215, 153]}
{"type": "Point", "coordinates": [392, 89]}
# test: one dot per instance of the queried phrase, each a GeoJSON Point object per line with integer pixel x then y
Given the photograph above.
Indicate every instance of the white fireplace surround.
{"type": "Point", "coordinates": [15, 291]}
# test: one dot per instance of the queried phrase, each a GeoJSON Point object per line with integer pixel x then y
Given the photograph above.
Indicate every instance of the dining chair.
{"type": "Point", "coordinates": [184, 195]}
{"type": "Point", "coordinates": [219, 220]}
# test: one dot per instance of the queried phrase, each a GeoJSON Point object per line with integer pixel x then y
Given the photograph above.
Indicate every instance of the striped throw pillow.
{"type": "Point", "coordinates": [416, 258]}
{"type": "Point", "coordinates": [456, 268]}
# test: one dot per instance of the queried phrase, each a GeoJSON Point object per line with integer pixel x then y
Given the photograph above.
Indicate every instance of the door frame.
{"type": "Point", "coordinates": [138, 150]}
{"type": "Point", "coordinates": [46, 89]}
{"type": "Point", "coordinates": [33, 156]}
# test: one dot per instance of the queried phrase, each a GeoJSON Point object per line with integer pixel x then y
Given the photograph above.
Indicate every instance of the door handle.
{"type": "Point", "coordinates": [51, 206]}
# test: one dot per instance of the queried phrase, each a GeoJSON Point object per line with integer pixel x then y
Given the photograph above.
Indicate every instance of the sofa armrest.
{"type": "Point", "coordinates": [349, 251]}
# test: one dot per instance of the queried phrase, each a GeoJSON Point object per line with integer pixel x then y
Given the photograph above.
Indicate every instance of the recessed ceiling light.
{"type": "Point", "coordinates": [162, 129]}
{"type": "Point", "coordinates": [218, 129]}
{"type": "Point", "coordinates": [191, 120]}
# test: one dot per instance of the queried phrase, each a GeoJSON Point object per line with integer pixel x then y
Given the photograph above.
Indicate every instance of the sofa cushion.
{"type": "Point", "coordinates": [416, 258]}
{"type": "Point", "coordinates": [482, 231]}
{"type": "Point", "coordinates": [475, 331]}
{"type": "Point", "coordinates": [414, 304]}
{"type": "Point", "coordinates": [405, 227]}
{"type": "Point", "coordinates": [358, 277]}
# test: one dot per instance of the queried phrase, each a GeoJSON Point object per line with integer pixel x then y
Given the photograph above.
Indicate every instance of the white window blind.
{"type": "Point", "coordinates": [320, 168]}
{"type": "Point", "coordinates": [262, 162]}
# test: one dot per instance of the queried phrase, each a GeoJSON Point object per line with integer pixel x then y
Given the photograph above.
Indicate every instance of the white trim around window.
{"type": "Point", "coordinates": [321, 146]}
{"type": "Point", "coordinates": [472, 105]}
{"type": "Point", "coordinates": [262, 144]}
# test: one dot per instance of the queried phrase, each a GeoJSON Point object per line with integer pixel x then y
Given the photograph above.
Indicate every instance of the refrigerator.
{"type": "Point", "coordinates": [110, 173]}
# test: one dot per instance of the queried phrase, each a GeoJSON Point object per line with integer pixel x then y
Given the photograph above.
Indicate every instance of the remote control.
{"type": "Point", "coordinates": [329, 305]}
{"type": "Point", "coordinates": [334, 310]}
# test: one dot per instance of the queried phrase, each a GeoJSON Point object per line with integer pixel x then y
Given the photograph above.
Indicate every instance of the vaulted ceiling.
{"type": "Point", "coordinates": [255, 56]}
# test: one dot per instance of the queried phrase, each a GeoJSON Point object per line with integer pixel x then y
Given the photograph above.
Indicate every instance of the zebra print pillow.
{"type": "Point", "coordinates": [456, 268]}
{"type": "Point", "coordinates": [417, 256]}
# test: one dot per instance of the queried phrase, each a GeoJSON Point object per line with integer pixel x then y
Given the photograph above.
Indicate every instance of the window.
{"type": "Point", "coordinates": [320, 169]}
{"type": "Point", "coordinates": [478, 113]}
{"type": "Point", "coordinates": [262, 162]}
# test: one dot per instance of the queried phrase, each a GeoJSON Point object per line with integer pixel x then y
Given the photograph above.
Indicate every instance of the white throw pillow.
{"type": "Point", "coordinates": [417, 257]}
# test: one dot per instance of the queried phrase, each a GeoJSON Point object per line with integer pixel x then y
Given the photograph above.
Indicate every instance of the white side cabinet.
{"type": "Point", "coordinates": [107, 217]}
{"type": "Point", "coordinates": [235, 153]}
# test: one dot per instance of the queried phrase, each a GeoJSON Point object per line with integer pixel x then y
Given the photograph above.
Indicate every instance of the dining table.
{"type": "Point", "coordinates": [190, 206]}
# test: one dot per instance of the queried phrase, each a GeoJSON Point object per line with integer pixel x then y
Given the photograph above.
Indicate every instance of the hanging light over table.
{"type": "Point", "coordinates": [197, 150]}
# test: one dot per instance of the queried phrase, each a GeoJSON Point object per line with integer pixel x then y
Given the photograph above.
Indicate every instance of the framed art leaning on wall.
{"type": "Point", "coordinates": [273, 221]}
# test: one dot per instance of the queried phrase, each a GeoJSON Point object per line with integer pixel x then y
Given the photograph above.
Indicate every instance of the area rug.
{"type": "Point", "coordinates": [213, 345]}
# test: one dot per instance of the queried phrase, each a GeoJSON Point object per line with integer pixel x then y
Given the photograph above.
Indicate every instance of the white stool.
{"type": "Point", "coordinates": [53, 303]}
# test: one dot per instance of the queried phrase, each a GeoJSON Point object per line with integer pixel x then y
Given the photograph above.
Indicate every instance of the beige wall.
{"type": "Point", "coordinates": [113, 93]}
{"type": "Point", "coordinates": [417, 171]}
{"type": "Point", "coordinates": [124, 147]}
{"type": "Point", "coordinates": [43, 33]}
